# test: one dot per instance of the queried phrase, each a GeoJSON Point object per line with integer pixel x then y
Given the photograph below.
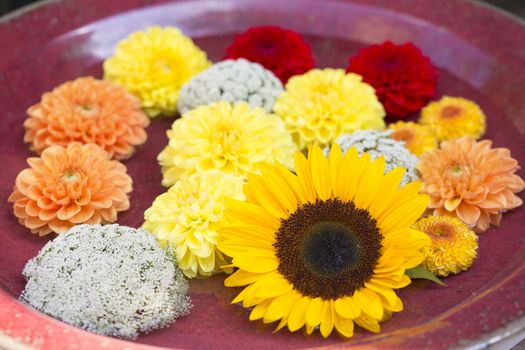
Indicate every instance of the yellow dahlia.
{"type": "Point", "coordinates": [453, 247]}
{"type": "Point", "coordinates": [453, 117]}
{"type": "Point", "coordinates": [322, 104]}
{"type": "Point", "coordinates": [326, 247]}
{"type": "Point", "coordinates": [154, 64]}
{"type": "Point", "coordinates": [232, 138]}
{"type": "Point", "coordinates": [188, 216]}
{"type": "Point", "coordinates": [418, 138]}
{"type": "Point", "coordinates": [472, 181]}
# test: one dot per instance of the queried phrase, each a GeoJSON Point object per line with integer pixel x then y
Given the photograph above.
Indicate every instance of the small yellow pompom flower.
{"type": "Point", "coordinates": [454, 245]}
{"type": "Point", "coordinates": [418, 138]}
{"type": "Point", "coordinates": [453, 117]}
{"type": "Point", "coordinates": [322, 104]}
{"type": "Point", "coordinates": [188, 216]}
{"type": "Point", "coordinates": [232, 138]}
{"type": "Point", "coordinates": [153, 65]}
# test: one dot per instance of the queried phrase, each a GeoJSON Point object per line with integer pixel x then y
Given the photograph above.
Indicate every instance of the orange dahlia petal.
{"type": "Point", "coordinates": [70, 185]}
{"type": "Point", "coordinates": [87, 110]}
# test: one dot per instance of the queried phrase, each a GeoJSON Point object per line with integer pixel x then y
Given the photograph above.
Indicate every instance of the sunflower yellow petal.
{"type": "Point", "coordinates": [315, 311]}
{"type": "Point", "coordinates": [241, 278]}
{"type": "Point", "coordinates": [327, 324]}
{"type": "Point", "coordinates": [248, 232]}
{"type": "Point", "coordinates": [282, 189]}
{"type": "Point", "coordinates": [281, 306]}
{"type": "Point", "coordinates": [345, 327]}
{"type": "Point", "coordinates": [334, 160]}
{"type": "Point", "coordinates": [387, 189]}
{"type": "Point", "coordinates": [281, 324]}
{"type": "Point", "coordinates": [348, 176]}
{"type": "Point", "coordinates": [369, 302]}
{"type": "Point", "coordinates": [346, 307]}
{"type": "Point", "coordinates": [403, 215]}
{"type": "Point", "coordinates": [265, 196]}
{"type": "Point", "coordinates": [304, 177]}
{"type": "Point", "coordinates": [271, 288]}
{"type": "Point", "coordinates": [249, 213]}
{"type": "Point", "coordinates": [368, 323]}
{"type": "Point", "coordinates": [382, 291]}
{"type": "Point", "coordinates": [320, 173]}
{"type": "Point", "coordinates": [232, 247]}
{"type": "Point", "coordinates": [259, 310]}
{"type": "Point", "coordinates": [257, 261]}
{"type": "Point", "coordinates": [293, 182]}
{"type": "Point", "coordinates": [297, 316]}
{"type": "Point", "coordinates": [369, 183]}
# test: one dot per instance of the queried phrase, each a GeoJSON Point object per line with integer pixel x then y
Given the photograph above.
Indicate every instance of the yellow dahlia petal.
{"type": "Point", "coordinates": [320, 105]}
{"type": "Point", "coordinates": [453, 248]}
{"type": "Point", "coordinates": [418, 138]}
{"type": "Point", "coordinates": [230, 138]}
{"type": "Point", "coordinates": [153, 65]}
{"type": "Point", "coordinates": [453, 117]}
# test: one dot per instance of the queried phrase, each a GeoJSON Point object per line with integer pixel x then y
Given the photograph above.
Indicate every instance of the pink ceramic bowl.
{"type": "Point", "coordinates": [480, 55]}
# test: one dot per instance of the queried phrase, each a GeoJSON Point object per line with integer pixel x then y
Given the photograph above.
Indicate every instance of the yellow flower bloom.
{"type": "Point", "coordinates": [326, 247]}
{"type": "Point", "coordinates": [418, 138]}
{"type": "Point", "coordinates": [322, 104]}
{"type": "Point", "coordinates": [188, 215]}
{"type": "Point", "coordinates": [453, 117]}
{"type": "Point", "coordinates": [154, 64]}
{"type": "Point", "coordinates": [454, 245]}
{"type": "Point", "coordinates": [233, 138]}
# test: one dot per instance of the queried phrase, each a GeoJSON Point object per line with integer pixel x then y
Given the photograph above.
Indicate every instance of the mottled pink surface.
{"type": "Point", "coordinates": [480, 55]}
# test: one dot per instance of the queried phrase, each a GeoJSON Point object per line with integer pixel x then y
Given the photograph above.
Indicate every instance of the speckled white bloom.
{"type": "Point", "coordinates": [234, 81]}
{"type": "Point", "coordinates": [378, 143]}
{"type": "Point", "coordinates": [112, 280]}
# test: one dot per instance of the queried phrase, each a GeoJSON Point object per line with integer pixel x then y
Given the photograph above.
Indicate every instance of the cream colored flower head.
{"type": "Point", "coordinates": [153, 65]}
{"type": "Point", "coordinates": [232, 138]}
{"type": "Point", "coordinates": [323, 104]}
{"type": "Point", "coordinates": [188, 216]}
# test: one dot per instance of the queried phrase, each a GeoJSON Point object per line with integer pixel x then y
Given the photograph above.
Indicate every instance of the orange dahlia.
{"type": "Point", "coordinates": [87, 110]}
{"type": "Point", "coordinates": [70, 185]}
{"type": "Point", "coordinates": [471, 180]}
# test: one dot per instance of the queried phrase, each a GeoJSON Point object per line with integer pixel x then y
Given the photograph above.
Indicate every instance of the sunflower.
{"type": "Point", "coordinates": [326, 247]}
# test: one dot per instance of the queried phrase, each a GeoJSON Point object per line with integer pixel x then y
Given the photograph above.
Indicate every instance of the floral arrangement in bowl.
{"type": "Point", "coordinates": [318, 240]}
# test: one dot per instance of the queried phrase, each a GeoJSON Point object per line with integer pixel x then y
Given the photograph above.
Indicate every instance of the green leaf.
{"type": "Point", "coordinates": [420, 272]}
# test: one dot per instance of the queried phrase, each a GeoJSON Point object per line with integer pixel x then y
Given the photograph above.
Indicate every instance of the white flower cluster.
{"type": "Point", "coordinates": [112, 280]}
{"type": "Point", "coordinates": [378, 143]}
{"type": "Point", "coordinates": [234, 81]}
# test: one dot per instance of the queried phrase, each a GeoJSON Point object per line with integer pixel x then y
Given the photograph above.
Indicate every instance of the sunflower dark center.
{"type": "Point", "coordinates": [328, 249]}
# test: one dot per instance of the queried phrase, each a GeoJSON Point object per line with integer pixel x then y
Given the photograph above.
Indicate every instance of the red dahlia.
{"type": "Point", "coordinates": [404, 79]}
{"type": "Point", "coordinates": [282, 51]}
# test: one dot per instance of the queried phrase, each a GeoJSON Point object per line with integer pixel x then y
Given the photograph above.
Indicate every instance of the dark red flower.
{"type": "Point", "coordinates": [282, 51]}
{"type": "Point", "coordinates": [404, 79]}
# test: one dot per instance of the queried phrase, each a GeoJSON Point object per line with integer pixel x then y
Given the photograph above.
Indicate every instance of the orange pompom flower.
{"type": "Point", "coordinates": [87, 110]}
{"type": "Point", "coordinates": [471, 180]}
{"type": "Point", "coordinates": [77, 184]}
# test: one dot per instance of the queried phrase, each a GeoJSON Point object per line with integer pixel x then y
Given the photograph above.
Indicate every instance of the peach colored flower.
{"type": "Point", "coordinates": [87, 110]}
{"type": "Point", "coordinates": [70, 185]}
{"type": "Point", "coordinates": [471, 180]}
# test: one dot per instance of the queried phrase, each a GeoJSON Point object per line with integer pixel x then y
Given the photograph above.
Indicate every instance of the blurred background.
{"type": "Point", "coordinates": [515, 6]}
